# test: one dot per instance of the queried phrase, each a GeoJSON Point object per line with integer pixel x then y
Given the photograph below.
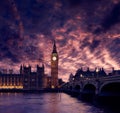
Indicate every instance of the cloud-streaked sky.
{"type": "Point", "coordinates": [87, 34]}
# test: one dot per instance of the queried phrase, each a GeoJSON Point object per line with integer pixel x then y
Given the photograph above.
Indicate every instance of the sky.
{"type": "Point", "coordinates": [87, 34]}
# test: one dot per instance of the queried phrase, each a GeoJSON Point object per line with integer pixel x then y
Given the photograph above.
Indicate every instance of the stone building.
{"type": "Point", "coordinates": [26, 80]}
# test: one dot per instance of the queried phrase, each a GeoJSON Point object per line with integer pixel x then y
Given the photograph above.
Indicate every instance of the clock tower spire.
{"type": "Point", "coordinates": [54, 67]}
{"type": "Point", "coordinates": [54, 47]}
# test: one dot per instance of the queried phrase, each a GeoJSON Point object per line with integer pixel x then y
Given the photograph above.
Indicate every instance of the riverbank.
{"type": "Point", "coordinates": [30, 91]}
{"type": "Point", "coordinates": [111, 104]}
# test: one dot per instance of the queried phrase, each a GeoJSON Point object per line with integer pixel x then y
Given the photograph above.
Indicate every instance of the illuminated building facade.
{"type": "Point", "coordinates": [11, 81]}
{"type": "Point", "coordinates": [26, 80]}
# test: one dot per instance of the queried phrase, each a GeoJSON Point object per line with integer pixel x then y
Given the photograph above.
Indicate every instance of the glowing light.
{"type": "Point", "coordinates": [11, 87]}
{"type": "Point", "coordinates": [97, 70]}
{"type": "Point", "coordinates": [53, 87]}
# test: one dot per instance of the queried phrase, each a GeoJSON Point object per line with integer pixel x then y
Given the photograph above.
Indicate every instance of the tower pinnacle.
{"type": "Point", "coordinates": [54, 47]}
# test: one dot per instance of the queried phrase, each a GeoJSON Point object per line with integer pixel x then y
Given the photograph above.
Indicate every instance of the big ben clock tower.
{"type": "Point", "coordinates": [54, 67]}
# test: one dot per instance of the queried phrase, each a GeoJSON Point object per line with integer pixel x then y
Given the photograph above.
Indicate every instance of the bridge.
{"type": "Point", "coordinates": [108, 85]}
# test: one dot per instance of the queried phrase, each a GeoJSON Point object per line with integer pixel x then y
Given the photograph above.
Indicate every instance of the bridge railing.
{"type": "Point", "coordinates": [95, 78]}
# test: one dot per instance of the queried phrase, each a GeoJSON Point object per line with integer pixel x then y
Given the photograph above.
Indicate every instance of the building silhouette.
{"type": "Point", "coordinates": [80, 73]}
{"type": "Point", "coordinates": [28, 80]}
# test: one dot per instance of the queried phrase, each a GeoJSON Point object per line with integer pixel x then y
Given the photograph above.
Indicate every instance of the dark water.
{"type": "Point", "coordinates": [44, 103]}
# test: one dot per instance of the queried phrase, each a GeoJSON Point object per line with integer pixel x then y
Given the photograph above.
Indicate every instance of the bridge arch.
{"type": "Point", "coordinates": [110, 89]}
{"type": "Point", "coordinates": [77, 87]}
{"type": "Point", "coordinates": [70, 88]}
{"type": "Point", "coordinates": [89, 88]}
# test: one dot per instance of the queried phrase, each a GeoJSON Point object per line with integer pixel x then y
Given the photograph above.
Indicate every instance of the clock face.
{"type": "Point", "coordinates": [54, 58]}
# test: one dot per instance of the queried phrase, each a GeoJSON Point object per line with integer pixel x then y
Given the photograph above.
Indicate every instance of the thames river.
{"type": "Point", "coordinates": [44, 103]}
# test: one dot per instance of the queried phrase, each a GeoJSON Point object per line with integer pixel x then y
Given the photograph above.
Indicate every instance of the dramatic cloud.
{"type": "Point", "coordinates": [87, 34]}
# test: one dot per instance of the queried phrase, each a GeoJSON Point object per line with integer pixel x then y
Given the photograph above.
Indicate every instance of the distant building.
{"type": "Point", "coordinates": [88, 73]}
{"type": "Point", "coordinates": [80, 73]}
{"type": "Point", "coordinates": [26, 80]}
{"type": "Point", "coordinates": [60, 82]}
{"type": "Point", "coordinates": [32, 80]}
{"type": "Point", "coordinates": [11, 81]}
{"type": "Point", "coordinates": [115, 72]}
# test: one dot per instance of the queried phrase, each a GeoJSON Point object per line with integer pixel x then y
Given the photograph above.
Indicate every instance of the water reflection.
{"type": "Point", "coordinates": [43, 103]}
{"type": "Point", "coordinates": [52, 103]}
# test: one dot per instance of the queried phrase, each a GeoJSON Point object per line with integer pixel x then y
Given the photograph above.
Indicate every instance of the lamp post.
{"type": "Point", "coordinates": [97, 72]}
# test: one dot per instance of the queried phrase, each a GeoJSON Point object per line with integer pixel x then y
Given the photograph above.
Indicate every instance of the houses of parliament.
{"type": "Point", "coordinates": [28, 80]}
